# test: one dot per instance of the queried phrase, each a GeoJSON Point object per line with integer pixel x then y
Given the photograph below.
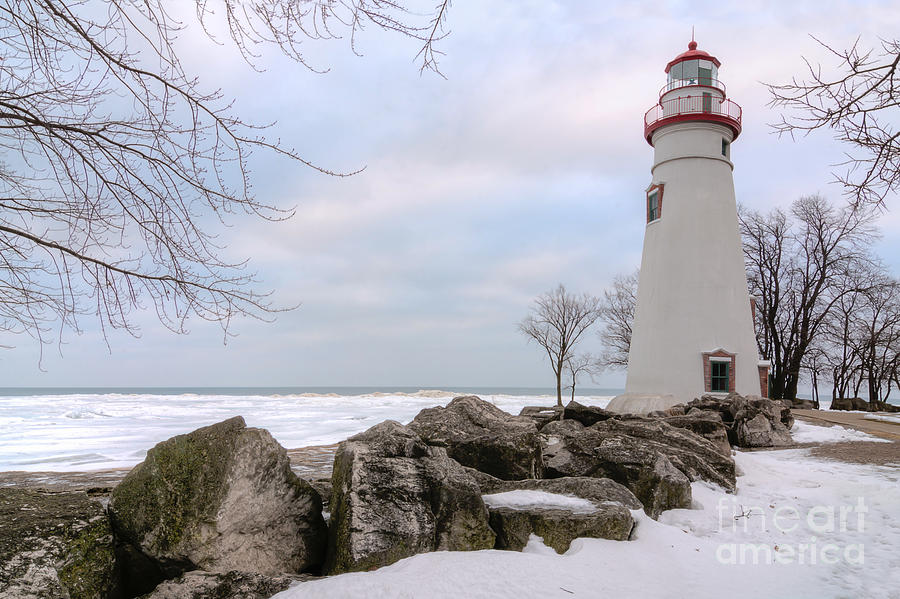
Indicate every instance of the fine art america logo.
{"type": "Point", "coordinates": [820, 528]}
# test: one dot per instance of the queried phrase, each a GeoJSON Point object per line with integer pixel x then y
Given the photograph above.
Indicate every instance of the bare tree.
{"type": "Point", "coordinates": [578, 365]}
{"type": "Point", "coordinates": [877, 336]}
{"type": "Point", "coordinates": [617, 315]}
{"type": "Point", "coordinates": [118, 167]}
{"type": "Point", "coordinates": [838, 343]}
{"type": "Point", "coordinates": [798, 268]}
{"type": "Point", "coordinates": [557, 322]}
{"type": "Point", "coordinates": [861, 104]}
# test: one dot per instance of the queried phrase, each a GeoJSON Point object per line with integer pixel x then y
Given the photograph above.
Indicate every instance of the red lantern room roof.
{"type": "Point", "coordinates": [691, 53]}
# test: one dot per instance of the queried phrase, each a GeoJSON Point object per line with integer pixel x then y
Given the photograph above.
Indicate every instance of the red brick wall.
{"type": "Point", "coordinates": [764, 381]}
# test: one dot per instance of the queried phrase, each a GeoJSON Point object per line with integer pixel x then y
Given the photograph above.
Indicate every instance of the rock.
{"type": "Point", "coordinates": [541, 415]}
{"type": "Point", "coordinates": [841, 403]}
{"type": "Point", "coordinates": [691, 453]}
{"type": "Point", "coordinates": [395, 496]}
{"type": "Point", "coordinates": [598, 490]}
{"type": "Point", "coordinates": [220, 498]}
{"type": "Point", "coordinates": [229, 585]}
{"type": "Point", "coordinates": [562, 427]}
{"type": "Point", "coordinates": [709, 403]}
{"type": "Point", "coordinates": [323, 488]}
{"type": "Point", "coordinates": [586, 415]}
{"type": "Point", "coordinates": [858, 404]}
{"type": "Point", "coordinates": [638, 464]}
{"type": "Point", "coordinates": [738, 414]}
{"type": "Point", "coordinates": [759, 432]}
{"type": "Point", "coordinates": [760, 422]}
{"type": "Point", "coordinates": [708, 425]}
{"type": "Point", "coordinates": [803, 404]}
{"type": "Point", "coordinates": [482, 436]}
{"type": "Point", "coordinates": [891, 408]}
{"type": "Point", "coordinates": [558, 528]}
{"type": "Point", "coordinates": [55, 545]}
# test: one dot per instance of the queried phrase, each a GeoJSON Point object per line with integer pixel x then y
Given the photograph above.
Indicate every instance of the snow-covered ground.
{"type": "Point", "coordinates": [804, 432]}
{"type": "Point", "coordinates": [797, 527]}
{"type": "Point", "coordinates": [64, 433]}
{"type": "Point", "coordinates": [892, 418]}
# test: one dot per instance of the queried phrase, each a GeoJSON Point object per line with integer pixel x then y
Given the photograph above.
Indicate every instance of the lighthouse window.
{"type": "Point", "coordinates": [689, 70]}
{"type": "Point", "coordinates": [725, 146]}
{"type": "Point", "coordinates": [654, 203]}
{"type": "Point", "coordinates": [719, 380]}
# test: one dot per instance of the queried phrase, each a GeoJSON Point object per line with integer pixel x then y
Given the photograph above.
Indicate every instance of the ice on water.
{"type": "Point", "coordinates": [65, 433]}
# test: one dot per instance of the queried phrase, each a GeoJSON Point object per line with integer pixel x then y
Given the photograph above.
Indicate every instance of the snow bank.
{"type": "Point", "coordinates": [712, 551]}
{"type": "Point", "coordinates": [891, 418]}
{"type": "Point", "coordinates": [525, 499]}
{"type": "Point", "coordinates": [804, 432]}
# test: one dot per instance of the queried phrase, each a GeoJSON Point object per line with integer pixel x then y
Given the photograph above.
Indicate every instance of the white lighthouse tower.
{"type": "Point", "coordinates": [693, 329]}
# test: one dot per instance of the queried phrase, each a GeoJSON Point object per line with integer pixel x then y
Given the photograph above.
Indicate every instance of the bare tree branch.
{"type": "Point", "coordinates": [118, 167]}
{"type": "Point", "coordinates": [861, 105]}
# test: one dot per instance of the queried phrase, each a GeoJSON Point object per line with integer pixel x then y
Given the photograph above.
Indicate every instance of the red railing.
{"type": "Point", "coordinates": [693, 108]}
{"type": "Point", "coordinates": [695, 82]}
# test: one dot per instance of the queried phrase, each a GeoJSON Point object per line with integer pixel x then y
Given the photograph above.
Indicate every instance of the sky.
{"type": "Point", "coordinates": [523, 168]}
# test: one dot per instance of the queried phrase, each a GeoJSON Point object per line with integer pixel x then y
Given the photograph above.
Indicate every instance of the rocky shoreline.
{"type": "Point", "coordinates": [221, 511]}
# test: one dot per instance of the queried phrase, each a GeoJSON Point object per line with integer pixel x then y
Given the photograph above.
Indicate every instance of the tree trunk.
{"type": "Point", "coordinates": [559, 386]}
{"type": "Point", "coordinates": [815, 389]}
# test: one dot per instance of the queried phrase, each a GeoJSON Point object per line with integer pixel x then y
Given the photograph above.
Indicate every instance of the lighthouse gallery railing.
{"type": "Point", "coordinates": [691, 106]}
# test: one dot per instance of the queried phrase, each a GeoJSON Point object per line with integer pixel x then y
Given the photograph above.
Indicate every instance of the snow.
{"type": "Point", "coordinates": [783, 499]}
{"type": "Point", "coordinates": [700, 553]}
{"type": "Point", "coordinates": [524, 499]}
{"type": "Point", "coordinates": [804, 432]}
{"type": "Point", "coordinates": [81, 432]}
{"type": "Point", "coordinates": [890, 418]}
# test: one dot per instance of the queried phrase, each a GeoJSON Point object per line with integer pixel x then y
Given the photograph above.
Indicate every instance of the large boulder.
{"type": "Point", "coordinates": [574, 450]}
{"type": "Point", "coordinates": [850, 403]}
{"type": "Point", "coordinates": [228, 585]}
{"type": "Point", "coordinates": [708, 425]}
{"type": "Point", "coordinates": [559, 527]}
{"type": "Point", "coordinates": [597, 490]}
{"type": "Point", "coordinates": [480, 435]}
{"type": "Point", "coordinates": [586, 415]}
{"type": "Point", "coordinates": [743, 419]}
{"type": "Point", "coordinates": [803, 404]}
{"type": "Point", "coordinates": [696, 456]}
{"type": "Point", "coordinates": [55, 545]}
{"type": "Point", "coordinates": [842, 403]}
{"type": "Point", "coordinates": [220, 498]}
{"type": "Point", "coordinates": [395, 496]}
{"type": "Point", "coordinates": [542, 415]}
{"type": "Point", "coordinates": [760, 422]}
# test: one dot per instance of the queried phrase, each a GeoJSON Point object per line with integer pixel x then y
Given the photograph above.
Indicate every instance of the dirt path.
{"type": "Point", "coordinates": [857, 452]}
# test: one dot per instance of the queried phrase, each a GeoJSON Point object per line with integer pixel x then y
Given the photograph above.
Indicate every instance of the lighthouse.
{"type": "Point", "coordinates": [693, 331]}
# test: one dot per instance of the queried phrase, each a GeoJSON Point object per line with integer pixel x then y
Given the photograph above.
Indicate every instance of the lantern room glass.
{"type": "Point", "coordinates": [693, 72]}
